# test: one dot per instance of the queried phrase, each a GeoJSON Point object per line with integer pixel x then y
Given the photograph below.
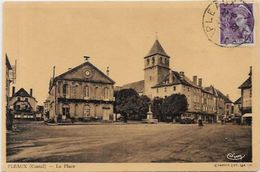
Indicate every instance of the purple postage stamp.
{"type": "Point", "coordinates": [237, 24]}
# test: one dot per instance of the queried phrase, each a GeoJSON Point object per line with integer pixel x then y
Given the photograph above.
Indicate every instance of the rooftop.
{"type": "Point", "coordinates": [157, 49]}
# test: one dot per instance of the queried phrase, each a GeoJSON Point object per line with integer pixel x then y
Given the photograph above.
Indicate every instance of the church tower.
{"type": "Point", "coordinates": [156, 67]}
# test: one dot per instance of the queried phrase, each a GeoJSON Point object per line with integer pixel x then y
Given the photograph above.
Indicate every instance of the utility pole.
{"type": "Point", "coordinates": [53, 76]}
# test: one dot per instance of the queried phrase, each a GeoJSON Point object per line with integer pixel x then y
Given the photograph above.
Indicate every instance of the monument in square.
{"type": "Point", "coordinates": [149, 116]}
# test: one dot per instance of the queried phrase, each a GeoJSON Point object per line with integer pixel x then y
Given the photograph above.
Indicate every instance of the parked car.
{"type": "Point", "coordinates": [187, 121]}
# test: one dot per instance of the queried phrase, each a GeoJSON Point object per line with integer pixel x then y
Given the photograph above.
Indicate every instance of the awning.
{"type": "Point", "coordinates": [247, 115]}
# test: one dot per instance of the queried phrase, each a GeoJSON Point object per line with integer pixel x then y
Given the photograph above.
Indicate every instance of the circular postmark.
{"type": "Point", "coordinates": [229, 23]}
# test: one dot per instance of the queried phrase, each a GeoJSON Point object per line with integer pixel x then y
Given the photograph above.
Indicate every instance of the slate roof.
{"type": "Point", "coordinates": [137, 86]}
{"type": "Point", "coordinates": [238, 101]}
{"type": "Point", "coordinates": [246, 84]}
{"type": "Point", "coordinates": [22, 93]}
{"type": "Point", "coordinates": [177, 79]}
{"type": "Point", "coordinates": [217, 93]}
{"type": "Point", "coordinates": [157, 49]}
{"type": "Point", "coordinates": [211, 90]}
{"type": "Point", "coordinates": [226, 99]}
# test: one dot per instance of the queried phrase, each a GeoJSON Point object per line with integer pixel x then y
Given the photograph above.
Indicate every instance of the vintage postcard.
{"type": "Point", "coordinates": [131, 86]}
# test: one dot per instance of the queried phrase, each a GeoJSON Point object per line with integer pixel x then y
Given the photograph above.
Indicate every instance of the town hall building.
{"type": "Point", "coordinates": [83, 92]}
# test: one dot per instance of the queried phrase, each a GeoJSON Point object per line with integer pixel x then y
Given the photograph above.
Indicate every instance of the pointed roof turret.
{"type": "Point", "coordinates": [22, 93]}
{"type": "Point", "coordinates": [157, 49]}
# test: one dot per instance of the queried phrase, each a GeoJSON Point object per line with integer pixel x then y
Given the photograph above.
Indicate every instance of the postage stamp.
{"type": "Point", "coordinates": [237, 24]}
{"type": "Point", "coordinates": [229, 24]}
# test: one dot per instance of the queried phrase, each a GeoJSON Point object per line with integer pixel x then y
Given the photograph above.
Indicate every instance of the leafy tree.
{"type": "Point", "coordinates": [174, 105]}
{"type": "Point", "coordinates": [126, 102]}
{"type": "Point", "coordinates": [143, 106]}
{"type": "Point", "coordinates": [157, 108]}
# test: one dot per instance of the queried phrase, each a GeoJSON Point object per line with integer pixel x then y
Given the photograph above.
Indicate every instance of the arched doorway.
{"type": "Point", "coordinates": [86, 111]}
{"type": "Point", "coordinates": [65, 111]}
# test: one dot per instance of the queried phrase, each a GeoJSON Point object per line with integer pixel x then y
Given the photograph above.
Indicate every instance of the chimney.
{"type": "Point", "coordinates": [195, 79]}
{"type": "Point", "coordinates": [200, 82]}
{"type": "Point", "coordinates": [13, 91]}
{"type": "Point", "coordinates": [250, 73]}
{"type": "Point", "coordinates": [108, 71]}
{"type": "Point", "coordinates": [170, 77]}
{"type": "Point", "coordinates": [181, 74]}
{"type": "Point", "coordinates": [227, 96]}
{"type": "Point", "coordinates": [31, 92]}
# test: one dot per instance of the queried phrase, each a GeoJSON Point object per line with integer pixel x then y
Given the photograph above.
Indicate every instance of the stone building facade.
{"type": "Point", "coordinates": [246, 94]}
{"type": "Point", "coordinates": [237, 107]}
{"type": "Point", "coordinates": [80, 93]}
{"type": "Point", "coordinates": [23, 104]}
{"type": "Point", "coordinates": [246, 99]}
{"type": "Point", "coordinates": [161, 81]}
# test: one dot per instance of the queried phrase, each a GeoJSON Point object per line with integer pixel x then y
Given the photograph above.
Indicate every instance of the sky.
{"type": "Point", "coordinates": [119, 35]}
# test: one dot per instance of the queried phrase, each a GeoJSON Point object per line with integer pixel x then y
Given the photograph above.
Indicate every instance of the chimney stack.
{"type": "Point", "coordinates": [181, 74]}
{"type": "Point", "coordinates": [108, 71]}
{"type": "Point", "coordinates": [195, 79]}
{"type": "Point", "coordinates": [200, 82]}
{"type": "Point", "coordinates": [31, 92]}
{"type": "Point", "coordinates": [13, 91]}
{"type": "Point", "coordinates": [170, 77]}
{"type": "Point", "coordinates": [227, 96]}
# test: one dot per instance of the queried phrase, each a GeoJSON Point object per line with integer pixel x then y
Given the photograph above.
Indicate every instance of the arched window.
{"type": "Point", "coordinates": [106, 93]}
{"type": "Point", "coordinates": [86, 110]}
{"type": "Point", "coordinates": [74, 89]}
{"type": "Point", "coordinates": [96, 92]}
{"type": "Point", "coordinates": [161, 60]}
{"type": "Point", "coordinates": [66, 110]}
{"type": "Point", "coordinates": [87, 91]}
{"type": "Point", "coordinates": [64, 89]}
{"type": "Point", "coordinates": [153, 60]}
{"type": "Point", "coordinates": [148, 61]}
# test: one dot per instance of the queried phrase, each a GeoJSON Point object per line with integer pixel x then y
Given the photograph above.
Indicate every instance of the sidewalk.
{"type": "Point", "coordinates": [102, 123]}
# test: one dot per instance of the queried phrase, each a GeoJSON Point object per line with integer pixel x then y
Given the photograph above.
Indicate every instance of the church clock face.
{"type": "Point", "coordinates": [88, 73]}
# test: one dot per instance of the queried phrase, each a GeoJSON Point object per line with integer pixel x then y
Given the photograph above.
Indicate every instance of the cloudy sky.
{"type": "Point", "coordinates": [118, 35]}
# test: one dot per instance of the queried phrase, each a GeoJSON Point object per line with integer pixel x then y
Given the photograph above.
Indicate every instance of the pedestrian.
{"type": "Point", "coordinates": [125, 118]}
{"type": "Point", "coordinates": [200, 124]}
